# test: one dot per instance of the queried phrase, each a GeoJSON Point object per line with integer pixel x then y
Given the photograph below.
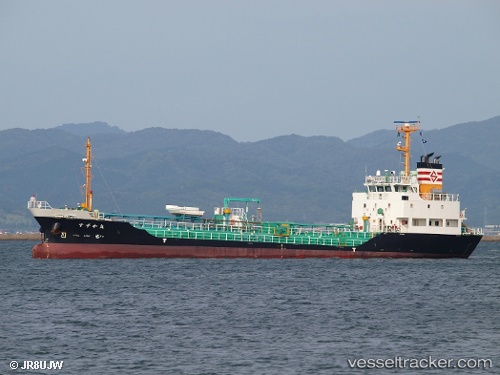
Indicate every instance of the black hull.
{"type": "Point", "coordinates": [87, 239]}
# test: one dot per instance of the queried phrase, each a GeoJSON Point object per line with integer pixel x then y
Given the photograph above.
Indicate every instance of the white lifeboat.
{"type": "Point", "coordinates": [184, 210]}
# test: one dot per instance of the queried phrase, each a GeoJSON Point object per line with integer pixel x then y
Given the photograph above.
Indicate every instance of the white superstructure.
{"type": "Point", "coordinates": [408, 201]}
{"type": "Point", "coordinates": [396, 204]}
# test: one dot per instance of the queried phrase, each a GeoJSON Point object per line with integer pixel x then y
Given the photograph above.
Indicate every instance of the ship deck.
{"type": "Point", "coordinates": [339, 235]}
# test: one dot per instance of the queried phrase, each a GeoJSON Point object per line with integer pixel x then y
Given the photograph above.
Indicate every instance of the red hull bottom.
{"type": "Point", "coordinates": [78, 251]}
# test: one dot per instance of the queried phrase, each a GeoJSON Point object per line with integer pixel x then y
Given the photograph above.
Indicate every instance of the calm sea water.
{"type": "Point", "coordinates": [189, 316]}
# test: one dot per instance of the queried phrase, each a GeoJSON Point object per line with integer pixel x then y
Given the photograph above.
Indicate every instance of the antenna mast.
{"type": "Point", "coordinates": [406, 127]}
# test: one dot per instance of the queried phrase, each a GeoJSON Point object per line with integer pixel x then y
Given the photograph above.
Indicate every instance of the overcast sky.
{"type": "Point", "coordinates": [249, 69]}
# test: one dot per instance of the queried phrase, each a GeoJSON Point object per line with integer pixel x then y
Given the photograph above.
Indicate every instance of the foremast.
{"type": "Point", "coordinates": [42, 209]}
{"type": "Point", "coordinates": [406, 127]}
{"type": "Point", "coordinates": [88, 177]}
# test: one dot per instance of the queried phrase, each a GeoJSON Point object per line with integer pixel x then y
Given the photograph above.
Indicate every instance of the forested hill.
{"type": "Point", "coordinates": [297, 178]}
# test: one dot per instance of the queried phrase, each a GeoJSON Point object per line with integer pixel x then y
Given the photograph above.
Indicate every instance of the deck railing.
{"type": "Point", "coordinates": [441, 197]}
{"type": "Point", "coordinates": [43, 205]}
{"type": "Point", "coordinates": [472, 231]}
{"type": "Point", "coordinates": [391, 179]}
{"type": "Point", "coordinates": [228, 233]}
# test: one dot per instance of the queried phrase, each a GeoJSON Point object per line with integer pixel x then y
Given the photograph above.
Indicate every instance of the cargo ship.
{"type": "Point", "coordinates": [404, 214]}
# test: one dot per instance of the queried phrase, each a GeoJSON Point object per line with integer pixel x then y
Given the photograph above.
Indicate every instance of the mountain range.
{"type": "Point", "coordinates": [305, 179]}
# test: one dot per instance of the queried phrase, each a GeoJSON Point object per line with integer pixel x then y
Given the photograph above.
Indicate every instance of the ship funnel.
{"type": "Point", "coordinates": [430, 176]}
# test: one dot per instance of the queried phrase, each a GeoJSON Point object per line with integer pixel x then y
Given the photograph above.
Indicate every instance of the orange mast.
{"type": "Point", "coordinates": [88, 176]}
{"type": "Point", "coordinates": [406, 127]}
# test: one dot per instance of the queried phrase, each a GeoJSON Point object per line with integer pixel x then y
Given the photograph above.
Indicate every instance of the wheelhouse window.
{"type": "Point", "coordinates": [418, 222]}
{"type": "Point", "coordinates": [435, 222]}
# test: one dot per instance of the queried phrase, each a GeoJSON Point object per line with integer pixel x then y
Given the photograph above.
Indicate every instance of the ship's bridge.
{"type": "Point", "coordinates": [391, 183]}
{"type": "Point", "coordinates": [403, 184]}
{"type": "Point", "coordinates": [391, 179]}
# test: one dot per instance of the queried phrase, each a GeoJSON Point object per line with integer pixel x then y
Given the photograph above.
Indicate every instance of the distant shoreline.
{"type": "Point", "coordinates": [20, 237]}
{"type": "Point", "coordinates": [490, 239]}
{"type": "Point", "coordinates": [36, 237]}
